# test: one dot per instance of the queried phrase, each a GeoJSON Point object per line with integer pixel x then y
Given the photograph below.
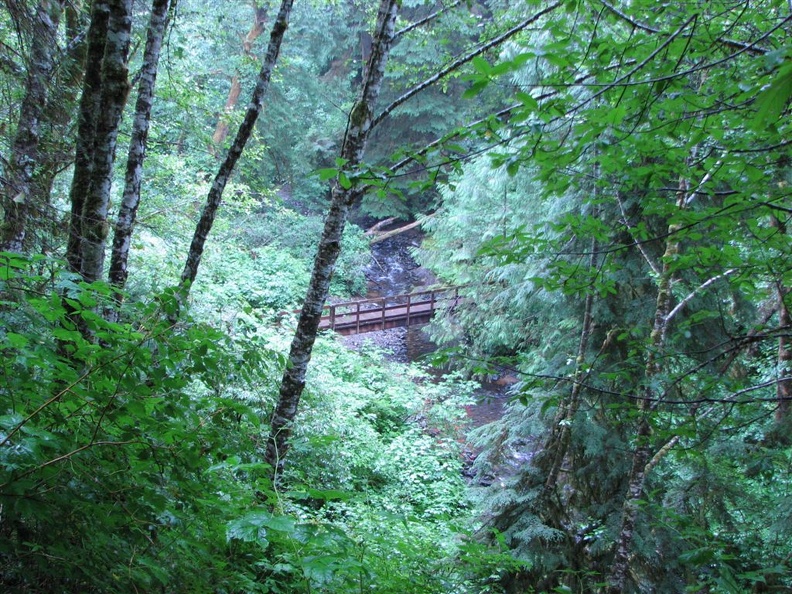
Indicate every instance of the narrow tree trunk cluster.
{"type": "Point", "coordinates": [105, 91]}
{"type": "Point", "coordinates": [130, 202]}
{"type": "Point", "coordinates": [648, 400]}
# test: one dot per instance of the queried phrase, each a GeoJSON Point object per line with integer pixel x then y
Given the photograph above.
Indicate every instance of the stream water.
{"type": "Point", "coordinates": [393, 271]}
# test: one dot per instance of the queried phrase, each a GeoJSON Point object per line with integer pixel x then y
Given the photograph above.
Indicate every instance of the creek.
{"type": "Point", "coordinates": [393, 271]}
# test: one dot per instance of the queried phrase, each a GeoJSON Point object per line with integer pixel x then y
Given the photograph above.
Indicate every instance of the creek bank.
{"type": "Point", "coordinates": [393, 271]}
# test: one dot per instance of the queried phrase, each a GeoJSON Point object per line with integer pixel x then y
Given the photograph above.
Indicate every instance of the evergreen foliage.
{"type": "Point", "coordinates": [617, 260]}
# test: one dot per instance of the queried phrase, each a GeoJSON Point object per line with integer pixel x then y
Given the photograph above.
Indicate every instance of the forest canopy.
{"type": "Point", "coordinates": [184, 187]}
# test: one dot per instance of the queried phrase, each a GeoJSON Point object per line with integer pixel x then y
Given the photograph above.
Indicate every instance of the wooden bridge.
{"type": "Point", "coordinates": [381, 313]}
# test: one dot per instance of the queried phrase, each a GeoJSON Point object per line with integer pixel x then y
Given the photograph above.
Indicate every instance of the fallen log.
{"type": "Point", "coordinates": [374, 229]}
{"type": "Point", "coordinates": [377, 236]}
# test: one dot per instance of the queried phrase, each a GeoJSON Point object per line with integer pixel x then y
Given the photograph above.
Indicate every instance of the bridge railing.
{"type": "Point", "coordinates": [404, 306]}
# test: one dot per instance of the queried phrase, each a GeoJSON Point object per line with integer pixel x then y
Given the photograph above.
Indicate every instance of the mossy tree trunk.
{"type": "Point", "coordinates": [105, 91]}
{"type": "Point", "coordinates": [342, 197]}
{"type": "Point", "coordinates": [17, 194]}
{"type": "Point", "coordinates": [130, 202]}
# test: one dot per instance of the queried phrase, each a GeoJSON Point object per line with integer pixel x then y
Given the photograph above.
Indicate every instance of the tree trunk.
{"type": "Point", "coordinates": [90, 104]}
{"type": "Point", "coordinates": [352, 150]}
{"type": "Point", "coordinates": [560, 437]}
{"type": "Point", "coordinates": [18, 194]}
{"type": "Point", "coordinates": [245, 129]}
{"type": "Point", "coordinates": [60, 117]}
{"type": "Point", "coordinates": [377, 235]}
{"type": "Point", "coordinates": [137, 147]}
{"type": "Point", "coordinates": [784, 387]}
{"type": "Point", "coordinates": [221, 130]}
{"type": "Point", "coordinates": [643, 452]}
{"type": "Point", "coordinates": [115, 89]}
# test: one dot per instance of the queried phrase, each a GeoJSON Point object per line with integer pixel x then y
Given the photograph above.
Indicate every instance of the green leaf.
{"type": "Point", "coordinates": [17, 341]}
{"type": "Point", "coordinates": [475, 88]}
{"type": "Point", "coordinates": [344, 181]}
{"type": "Point", "coordinates": [325, 174]}
{"type": "Point", "coordinates": [481, 65]}
{"type": "Point", "coordinates": [772, 100]}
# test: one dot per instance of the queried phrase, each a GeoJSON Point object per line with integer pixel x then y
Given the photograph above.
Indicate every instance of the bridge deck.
{"type": "Point", "coordinates": [368, 315]}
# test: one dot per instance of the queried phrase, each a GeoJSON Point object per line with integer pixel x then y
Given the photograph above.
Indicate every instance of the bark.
{"type": "Point", "coordinates": [221, 130]}
{"type": "Point", "coordinates": [215, 196]}
{"type": "Point", "coordinates": [558, 443]}
{"type": "Point", "coordinates": [784, 386]}
{"type": "Point", "coordinates": [17, 195]}
{"type": "Point", "coordinates": [115, 88]}
{"type": "Point", "coordinates": [376, 235]}
{"type": "Point", "coordinates": [56, 148]}
{"type": "Point", "coordinates": [643, 453]}
{"type": "Point", "coordinates": [358, 129]}
{"type": "Point", "coordinates": [90, 104]}
{"type": "Point", "coordinates": [377, 227]}
{"type": "Point", "coordinates": [137, 146]}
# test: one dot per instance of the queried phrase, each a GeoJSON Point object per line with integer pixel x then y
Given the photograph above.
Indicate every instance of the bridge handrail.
{"type": "Point", "coordinates": [389, 303]}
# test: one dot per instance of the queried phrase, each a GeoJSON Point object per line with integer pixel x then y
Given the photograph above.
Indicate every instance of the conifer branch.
{"type": "Point", "coordinates": [426, 19]}
{"type": "Point", "coordinates": [456, 64]}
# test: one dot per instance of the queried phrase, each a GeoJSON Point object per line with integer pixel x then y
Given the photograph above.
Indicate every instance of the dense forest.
{"type": "Point", "coordinates": [186, 184]}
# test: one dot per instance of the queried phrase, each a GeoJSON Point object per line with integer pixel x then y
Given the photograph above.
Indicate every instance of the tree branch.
{"type": "Point", "coordinates": [693, 293]}
{"type": "Point", "coordinates": [460, 62]}
{"type": "Point", "coordinates": [643, 27]}
{"type": "Point", "coordinates": [425, 20]}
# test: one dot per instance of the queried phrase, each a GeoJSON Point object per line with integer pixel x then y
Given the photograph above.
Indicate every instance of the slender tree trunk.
{"type": "Point", "coordinates": [256, 29]}
{"type": "Point", "coordinates": [643, 452]}
{"type": "Point", "coordinates": [115, 88]}
{"type": "Point", "coordinates": [18, 192]}
{"type": "Point", "coordinates": [221, 130]}
{"type": "Point", "coordinates": [784, 387]}
{"type": "Point", "coordinates": [353, 148]}
{"type": "Point", "coordinates": [215, 196]}
{"type": "Point", "coordinates": [561, 435]}
{"type": "Point", "coordinates": [57, 143]}
{"type": "Point", "coordinates": [90, 104]}
{"type": "Point", "coordinates": [137, 147]}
